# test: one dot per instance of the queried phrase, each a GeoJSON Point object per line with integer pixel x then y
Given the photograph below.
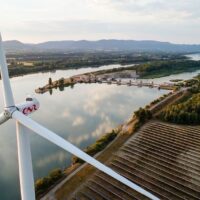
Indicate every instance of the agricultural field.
{"type": "Point", "coordinates": [162, 158]}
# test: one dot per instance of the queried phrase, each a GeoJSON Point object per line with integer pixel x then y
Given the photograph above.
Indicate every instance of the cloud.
{"type": "Point", "coordinates": [97, 97]}
{"type": "Point", "coordinates": [65, 114]}
{"type": "Point", "coordinates": [153, 6]}
{"type": "Point", "coordinates": [103, 128]}
{"type": "Point", "coordinates": [96, 19]}
{"type": "Point", "coordinates": [78, 139]}
{"type": "Point", "coordinates": [78, 121]}
{"type": "Point", "coordinates": [60, 156]}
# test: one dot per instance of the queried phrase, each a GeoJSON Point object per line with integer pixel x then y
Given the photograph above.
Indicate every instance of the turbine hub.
{"type": "Point", "coordinates": [3, 117]}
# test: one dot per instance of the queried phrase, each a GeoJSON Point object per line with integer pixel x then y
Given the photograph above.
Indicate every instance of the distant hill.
{"type": "Point", "coordinates": [100, 45]}
{"type": "Point", "coordinates": [13, 46]}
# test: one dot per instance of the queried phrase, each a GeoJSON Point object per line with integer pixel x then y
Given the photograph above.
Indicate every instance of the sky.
{"type": "Point", "coordinates": [34, 21]}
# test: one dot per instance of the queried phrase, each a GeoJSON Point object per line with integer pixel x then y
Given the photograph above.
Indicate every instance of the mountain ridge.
{"type": "Point", "coordinates": [16, 46]}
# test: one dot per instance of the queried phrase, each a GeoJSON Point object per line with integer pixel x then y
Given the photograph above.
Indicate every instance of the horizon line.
{"type": "Point", "coordinates": [97, 40]}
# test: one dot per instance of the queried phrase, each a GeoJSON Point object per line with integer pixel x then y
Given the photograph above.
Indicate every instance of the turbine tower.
{"type": "Point", "coordinates": [25, 125]}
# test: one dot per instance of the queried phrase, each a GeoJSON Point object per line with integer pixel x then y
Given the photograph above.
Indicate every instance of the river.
{"type": "Point", "coordinates": [80, 115]}
{"type": "Point", "coordinates": [195, 56]}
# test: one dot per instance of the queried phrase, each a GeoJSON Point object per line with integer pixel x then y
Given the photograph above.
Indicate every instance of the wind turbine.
{"type": "Point", "coordinates": [25, 125]}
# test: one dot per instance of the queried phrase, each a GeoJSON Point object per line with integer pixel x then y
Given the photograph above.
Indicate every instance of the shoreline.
{"type": "Point", "coordinates": [28, 70]}
{"type": "Point", "coordinates": [109, 76]}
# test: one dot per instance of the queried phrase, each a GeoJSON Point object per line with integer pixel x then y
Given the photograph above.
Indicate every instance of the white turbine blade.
{"type": "Point", "coordinates": [7, 92]}
{"type": "Point", "coordinates": [52, 137]}
{"type": "Point", "coordinates": [25, 163]}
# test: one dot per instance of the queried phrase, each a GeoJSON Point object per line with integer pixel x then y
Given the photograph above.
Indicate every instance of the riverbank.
{"type": "Point", "coordinates": [154, 69]}
{"type": "Point", "coordinates": [81, 174]}
{"type": "Point", "coordinates": [92, 77]}
{"type": "Point", "coordinates": [27, 70]}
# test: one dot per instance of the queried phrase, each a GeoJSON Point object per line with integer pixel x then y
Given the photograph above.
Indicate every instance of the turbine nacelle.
{"type": "Point", "coordinates": [29, 106]}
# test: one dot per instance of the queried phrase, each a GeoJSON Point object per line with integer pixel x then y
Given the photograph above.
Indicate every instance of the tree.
{"type": "Point", "coordinates": [50, 81]}
{"type": "Point", "coordinates": [61, 81]}
{"type": "Point", "coordinates": [55, 175]}
{"type": "Point", "coordinates": [42, 184]}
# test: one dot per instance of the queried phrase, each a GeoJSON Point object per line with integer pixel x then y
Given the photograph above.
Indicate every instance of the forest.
{"type": "Point", "coordinates": [156, 69]}
{"type": "Point", "coordinates": [187, 110]}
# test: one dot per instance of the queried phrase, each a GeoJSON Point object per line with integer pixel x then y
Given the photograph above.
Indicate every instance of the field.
{"type": "Point", "coordinates": [162, 158]}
